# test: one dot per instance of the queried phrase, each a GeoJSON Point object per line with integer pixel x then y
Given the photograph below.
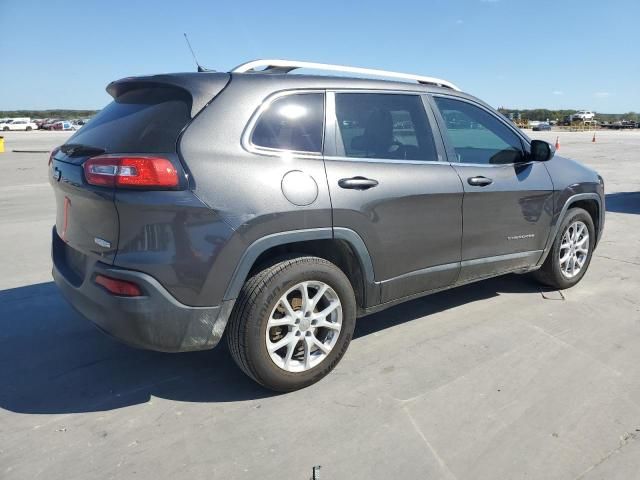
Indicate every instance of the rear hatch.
{"type": "Point", "coordinates": [144, 120]}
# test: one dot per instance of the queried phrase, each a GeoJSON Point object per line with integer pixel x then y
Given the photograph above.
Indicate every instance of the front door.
{"type": "Point", "coordinates": [387, 183]}
{"type": "Point", "coordinates": [507, 206]}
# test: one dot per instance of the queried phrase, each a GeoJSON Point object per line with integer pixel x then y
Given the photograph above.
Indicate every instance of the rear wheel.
{"type": "Point", "coordinates": [292, 323]}
{"type": "Point", "coordinates": [5, 129]}
{"type": "Point", "coordinates": [28, 129]}
{"type": "Point", "coordinates": [570, 255]}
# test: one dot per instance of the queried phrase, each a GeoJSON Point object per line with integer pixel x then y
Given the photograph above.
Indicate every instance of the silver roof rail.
{"type": "Point", "coordinates": [286, 66]}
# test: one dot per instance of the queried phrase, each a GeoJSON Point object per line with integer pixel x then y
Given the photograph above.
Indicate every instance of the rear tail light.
{"type": "Point", "coordinates": [118, 287]}
{"type": "Point", "coordinates": [131, 172]}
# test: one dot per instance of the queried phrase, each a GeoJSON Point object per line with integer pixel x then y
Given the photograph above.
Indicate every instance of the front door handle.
{"type": "Point", "coordinates": [479, 181]}
{"type": "Point", "coordinates": [357, 183]}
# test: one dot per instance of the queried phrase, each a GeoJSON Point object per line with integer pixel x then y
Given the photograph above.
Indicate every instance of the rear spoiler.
{"type": "Point", "coordinates": [202, 87]}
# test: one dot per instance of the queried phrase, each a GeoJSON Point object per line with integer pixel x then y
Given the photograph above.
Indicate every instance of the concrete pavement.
{"type": "Point", "coordinates": [493, 380]}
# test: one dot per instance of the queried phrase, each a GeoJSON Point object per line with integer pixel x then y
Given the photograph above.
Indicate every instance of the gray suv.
{"type": "Point", "coordinates": [276, 208]}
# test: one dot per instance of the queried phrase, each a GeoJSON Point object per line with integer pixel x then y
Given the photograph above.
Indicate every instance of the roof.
{"type": "Point", "coordinates": [203, 86]}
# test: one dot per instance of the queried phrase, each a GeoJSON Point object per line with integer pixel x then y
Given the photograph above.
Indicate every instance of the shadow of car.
{"type": "Point", "coordinates": [52, 361]}
{"type": "Point", "coordinates": [623, 202]}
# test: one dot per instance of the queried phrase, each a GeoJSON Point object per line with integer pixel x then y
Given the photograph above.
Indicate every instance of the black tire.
{"type": "Point", "coordinates": [247, 327]}
{"type": "Point", "coordinates": [550, 273]}
{"type": "Point", "coordinates": [5, 129]}
{"type": "Point", "coordinates": [29, 129]}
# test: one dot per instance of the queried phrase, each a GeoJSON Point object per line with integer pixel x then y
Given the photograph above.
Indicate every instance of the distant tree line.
{"type": "Point", "coordinates": [543, 114]}
{"type": "Point", "coordinates": [57, 113]}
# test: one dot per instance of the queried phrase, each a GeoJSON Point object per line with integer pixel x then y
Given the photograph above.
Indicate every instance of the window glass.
{"type": "Point", "coordinates": [146, 119]}
{"type": "Point", "coordinates": [293, 122]}
{"type": "Point", "coordinates": [477, 136]}
{"type": "Point", "coordinates": [389, 126]}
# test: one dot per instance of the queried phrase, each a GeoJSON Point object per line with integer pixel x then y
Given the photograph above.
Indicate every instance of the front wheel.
{"type": "Point", "coordinates": [292, 323]}
{"type": "Point", "coordinates": [571, 252]}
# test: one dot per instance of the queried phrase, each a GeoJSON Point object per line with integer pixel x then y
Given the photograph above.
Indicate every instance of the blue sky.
{"type": "Point", "coordinates": [512, 53]}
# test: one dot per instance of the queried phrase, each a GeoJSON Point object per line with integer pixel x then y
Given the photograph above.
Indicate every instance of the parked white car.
{"type": "Point", "coordinates": [18, 124]}
{"type": "Point", "coordinates": [583, 115]}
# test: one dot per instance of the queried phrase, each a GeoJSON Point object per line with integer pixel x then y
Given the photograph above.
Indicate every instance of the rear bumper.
{"type": "Point", "coordinates": [155, 321]}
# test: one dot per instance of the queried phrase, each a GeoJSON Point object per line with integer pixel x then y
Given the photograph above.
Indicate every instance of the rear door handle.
{"type": "Point", "coordinates": [479, 181]}
{"type": "Point", "coordinates": [357, 183]}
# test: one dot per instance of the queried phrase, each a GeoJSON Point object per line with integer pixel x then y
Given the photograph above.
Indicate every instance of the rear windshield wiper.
{"type": "Point", "coordinates": [77, 149]}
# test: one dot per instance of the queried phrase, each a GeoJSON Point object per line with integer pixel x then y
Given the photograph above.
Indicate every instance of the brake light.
{"type": "Point", "coordinates": [118, 287]}
{"type": "Point", "coordinates": [131, 172]}
{"type": "Point", "coordinates": [53, 154]}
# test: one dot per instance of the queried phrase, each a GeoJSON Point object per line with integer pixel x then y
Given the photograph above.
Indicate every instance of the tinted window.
{"type": "Point", "coordinates": [390, 126]}
{"type": "Point", "coordinates": [477, 136]}
{"type": "Point", "coordinates": [293, 122]}
{"type": "Point", "coordinates": [145, 120]}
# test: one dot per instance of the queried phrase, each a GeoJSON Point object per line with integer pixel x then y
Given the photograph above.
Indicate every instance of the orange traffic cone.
{"type": "Point", "coordinates": [593, 140]}
{"type": "Point", "coordinates": [557, 143]}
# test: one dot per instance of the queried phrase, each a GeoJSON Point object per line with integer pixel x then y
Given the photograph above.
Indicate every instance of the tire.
{"type": "Point", "coordinates": [551, 273]}
{"type": "Point", "coordinates": [262, 301]}
{"type": "Point", "coordinates": [5, 129]}
{"type": "Point", "coordinates": [28, 129]}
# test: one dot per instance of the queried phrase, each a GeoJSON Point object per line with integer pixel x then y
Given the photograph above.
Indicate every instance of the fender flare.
{"type": "Point", "coordinates": [567, 204]}
{"type": "Point", "coordinates": [263, 244]}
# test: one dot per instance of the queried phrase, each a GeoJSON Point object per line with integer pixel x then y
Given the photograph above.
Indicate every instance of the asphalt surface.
{"type": "Point", "coordinates": [494, 380]}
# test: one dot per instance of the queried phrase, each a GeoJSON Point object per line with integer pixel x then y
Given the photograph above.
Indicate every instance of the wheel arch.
{"type": "Point", "coordinates": [341, 246]}
{"type": "Point", "coordinates": [592, 207]}
{"type": "Point", "coordinates": [591, 202]}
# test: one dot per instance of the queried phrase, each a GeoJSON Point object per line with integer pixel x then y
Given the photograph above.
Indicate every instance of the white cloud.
{"type": "Point", "coordinates": [602, 94]}
{"type": "Point", "coordinates": [558, 92]}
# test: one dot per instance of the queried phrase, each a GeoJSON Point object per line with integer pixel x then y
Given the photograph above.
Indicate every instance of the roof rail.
{"type": "Point", "coordinates": [286, 66]}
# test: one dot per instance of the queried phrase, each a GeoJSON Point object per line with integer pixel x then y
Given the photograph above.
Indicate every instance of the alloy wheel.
{"type": "Point", "coordinates": [574, 249]}
{"type": "Point", "coordinates": [304, 326]}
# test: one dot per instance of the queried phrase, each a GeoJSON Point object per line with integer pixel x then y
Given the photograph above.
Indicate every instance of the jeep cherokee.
{"type": "Point", "coordinates": [279, 207]}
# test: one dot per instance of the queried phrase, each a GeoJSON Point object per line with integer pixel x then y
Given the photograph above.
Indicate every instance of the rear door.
{"type": "Point", "coordinates": [508, 201]}
{"type": "Point", "coordinates": [387, 183]}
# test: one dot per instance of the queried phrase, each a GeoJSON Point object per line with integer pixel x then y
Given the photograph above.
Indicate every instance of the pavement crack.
{"type": "Point", "coordinates": [618, 259]}
{"type": "Point", "coordinates": [625, 439]}
{"type": "Point", "coordinates": [565, 344]}
{"type": "Point", "coordinates": [350, 405]}
{"type": "Point", "coordinates": [443, 466]}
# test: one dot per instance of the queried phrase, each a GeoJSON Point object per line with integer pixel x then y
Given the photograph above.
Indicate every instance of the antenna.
{"type": "Point", "coordinates": [200, 67]}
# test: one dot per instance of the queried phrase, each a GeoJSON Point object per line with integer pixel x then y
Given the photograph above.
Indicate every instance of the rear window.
{"type": "Point", "coordinates": [144, 120]}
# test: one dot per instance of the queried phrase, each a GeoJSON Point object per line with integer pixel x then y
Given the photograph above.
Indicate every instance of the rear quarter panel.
{"type": "Point", "coordinates": [243, 189]}
{"type": "Point", "coordinates": [178, 242]}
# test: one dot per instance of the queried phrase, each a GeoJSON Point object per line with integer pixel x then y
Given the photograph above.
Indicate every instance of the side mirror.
{"type": "Point", "coordinates": [541, 151]}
